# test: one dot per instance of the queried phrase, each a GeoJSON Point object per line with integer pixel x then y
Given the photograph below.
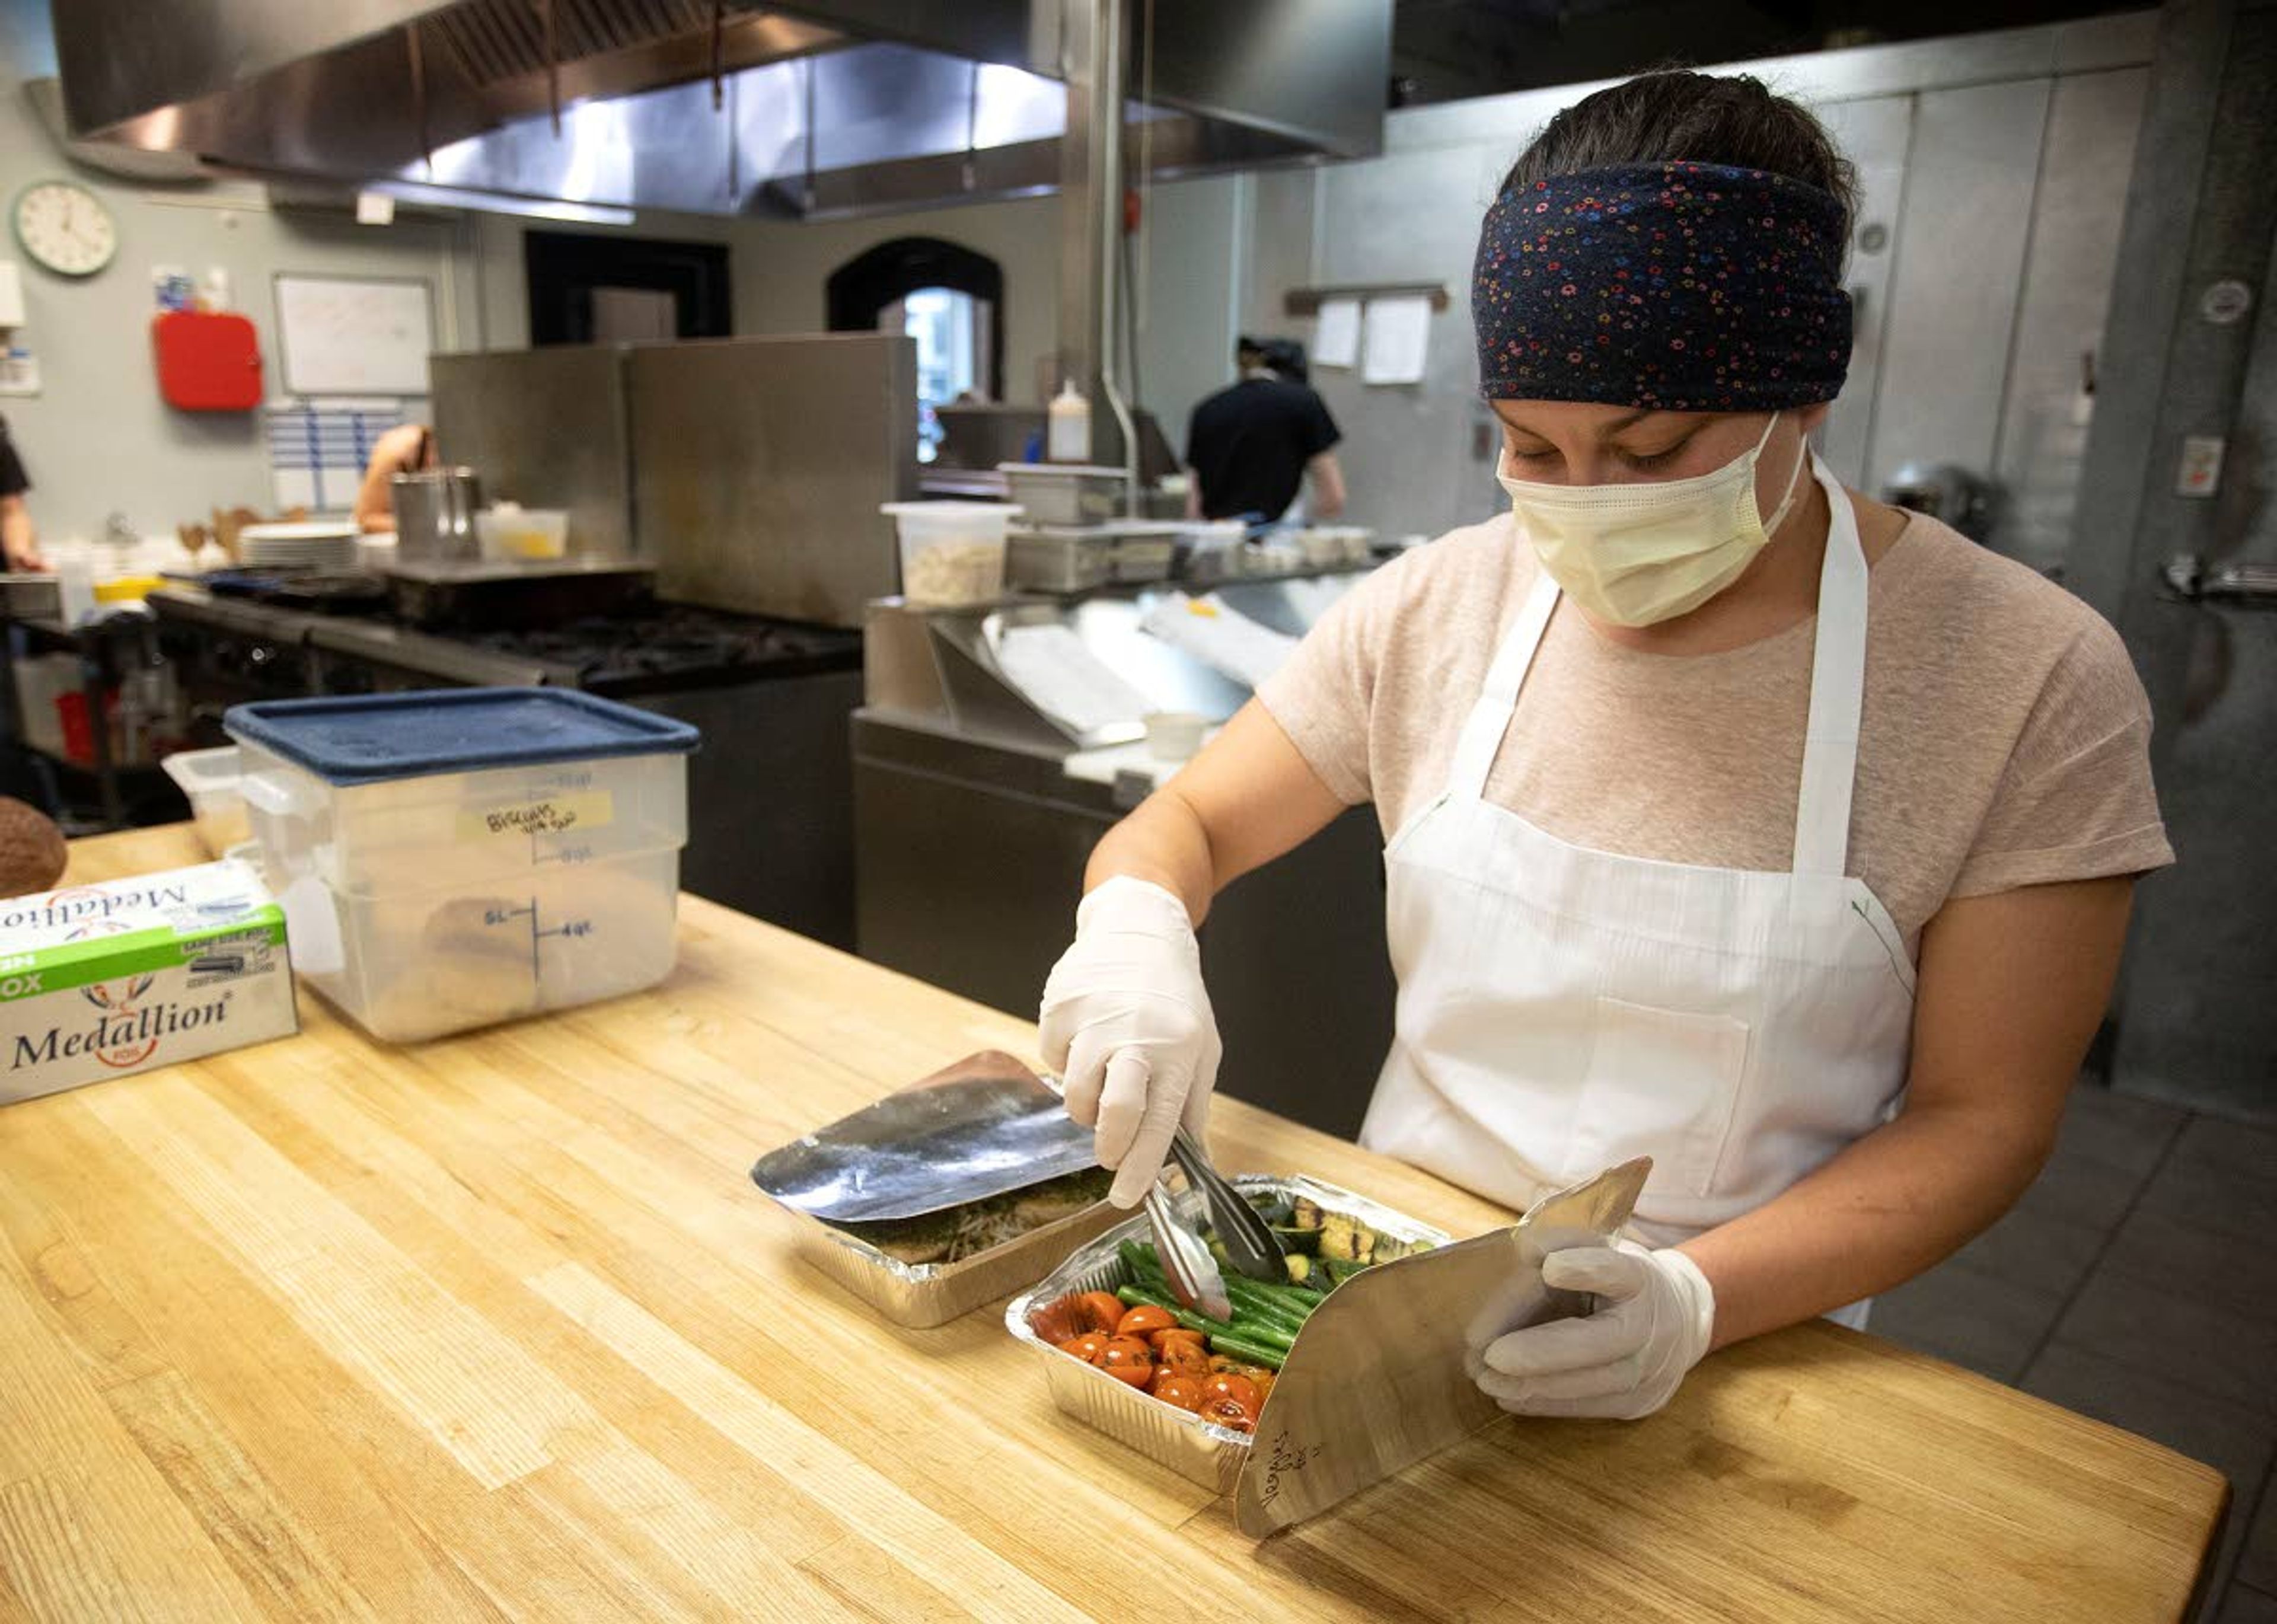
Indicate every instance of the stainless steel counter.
{"type": "Point", "coordinates": [974, 814]}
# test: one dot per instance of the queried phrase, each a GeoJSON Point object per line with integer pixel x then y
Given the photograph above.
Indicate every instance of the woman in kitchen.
{"type": "Point", "coordinates": [1734, 819]}
{"type": "Point", "coordinates": [406, 448]}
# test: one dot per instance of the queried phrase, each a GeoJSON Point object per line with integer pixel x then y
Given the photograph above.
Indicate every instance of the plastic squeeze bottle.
{"type": "Point", "coordinates": [1069, 439]}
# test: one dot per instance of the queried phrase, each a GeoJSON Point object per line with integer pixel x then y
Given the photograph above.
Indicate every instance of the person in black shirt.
{"type": "Point", "coordinates": [16, 540]}
{"type": "Point", "coordinates": [1250, 445]}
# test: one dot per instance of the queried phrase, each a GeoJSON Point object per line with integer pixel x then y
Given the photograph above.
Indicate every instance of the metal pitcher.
{"type": "Point", "coordinates": [435, 514]}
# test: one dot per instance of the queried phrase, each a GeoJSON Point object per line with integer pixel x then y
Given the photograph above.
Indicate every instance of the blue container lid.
{"type": "Point", "coordinates": [372, 738]}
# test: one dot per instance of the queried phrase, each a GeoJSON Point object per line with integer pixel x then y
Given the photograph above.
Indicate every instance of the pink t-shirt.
{"type": "Point", "coordinates": [2005, 740]}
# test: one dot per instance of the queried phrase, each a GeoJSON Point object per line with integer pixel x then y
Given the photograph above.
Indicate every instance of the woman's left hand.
{"type": "Point", "coordinates": [1654, 1317]}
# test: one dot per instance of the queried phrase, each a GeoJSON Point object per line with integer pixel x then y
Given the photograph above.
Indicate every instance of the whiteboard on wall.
{"type": "Point", "coordinates": [353, 335]}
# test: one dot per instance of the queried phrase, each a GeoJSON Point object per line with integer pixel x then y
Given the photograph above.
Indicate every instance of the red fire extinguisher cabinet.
{"type": "Point", "coordinates": [208, 361]}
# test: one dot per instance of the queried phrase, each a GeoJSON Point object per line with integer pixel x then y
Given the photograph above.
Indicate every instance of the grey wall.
{"type": "Point", "coordinates": [98, 438]}
{"type": "Point", "coordinates": [1193, 237]}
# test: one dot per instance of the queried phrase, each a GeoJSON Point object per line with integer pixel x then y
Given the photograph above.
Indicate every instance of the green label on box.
{"type": "Point", "coordinates": [95, 959]}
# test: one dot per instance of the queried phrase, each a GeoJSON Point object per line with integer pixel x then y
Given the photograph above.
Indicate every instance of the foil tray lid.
{"type": "Point", "coordinates": [984, 1126]}
{"type": "Point", "coordinates": [1381, 1374]}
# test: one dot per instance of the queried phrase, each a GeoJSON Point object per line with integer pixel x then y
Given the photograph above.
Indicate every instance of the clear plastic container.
{"type": "Point", "coordinates": [453, 859]}
{"type": "Point", "coordinates": [1066, 492]}
{"type": "Point", "coordinates": [1214, 549]}
{"type": "Point", "coordinates": [511, 535]}
{"type": "Point", "coordinates": [952, 552]}
{"type": "Point", "coordinates": [43, 681]}
{"type": "Point", "coordinates": [210, 778]}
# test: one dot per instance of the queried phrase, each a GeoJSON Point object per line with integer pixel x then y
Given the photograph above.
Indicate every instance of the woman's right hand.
{"type": "Point", "coordinates": [1127, 1023]}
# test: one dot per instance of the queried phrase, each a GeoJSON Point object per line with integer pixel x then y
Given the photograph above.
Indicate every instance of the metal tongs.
{"type": "Point", "coordinates": [1186, 1262]}
{"type": "Point", "coordinates": [1251, 1245]}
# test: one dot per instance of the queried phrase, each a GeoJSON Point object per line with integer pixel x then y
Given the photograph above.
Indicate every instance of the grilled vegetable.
{"type": "Point", "coordinates": [1227, 1413]}
{"type": "Point", "coordinates": [1321, 1249]}
{"type": "Point", "coordinates": [1100, 1311]}
{"type": "Point", "coordinates": [1171, 1388]}
{"type": "Point", "coordinates": [1182, 1351]}
{"type": "Point", "coordinates": [1296, 1242]}
{"type": "Point", "coordinates": [1275, 1209]}
{"type": "Point", "coordinates": [1128, 1359]}
{"type": "Point", "coordinates": [1144, 1321]}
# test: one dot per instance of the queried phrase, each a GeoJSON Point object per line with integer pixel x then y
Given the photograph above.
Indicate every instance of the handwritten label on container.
{"type": "Point", "coordinates": [555, 814]}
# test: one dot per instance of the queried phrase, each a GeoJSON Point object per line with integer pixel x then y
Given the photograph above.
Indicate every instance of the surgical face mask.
{"type": "Point", "coordinates": [1636, 554]}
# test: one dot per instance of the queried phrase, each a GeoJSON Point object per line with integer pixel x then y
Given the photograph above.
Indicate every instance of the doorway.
{"type": "Point", "coordinates": [601, 290]}
{"type": "Point", "coordinates": [952, 331]}
{"type": "Point", "coordinates": [949, 298]}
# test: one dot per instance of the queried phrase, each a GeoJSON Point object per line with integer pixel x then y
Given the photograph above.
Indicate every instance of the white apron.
{"type": "Point", "coordinates": [1561, 1009]}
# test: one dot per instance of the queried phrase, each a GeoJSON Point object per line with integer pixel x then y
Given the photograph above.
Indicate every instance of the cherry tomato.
{"type": "Point", "coordinates": [1128, 1359]}
{"type": "Point", "coordinates": [1055, 1321]}
{"type": "Point", "coordinates": [1262, 1380]}
{"type": "Point", "coordinates": [1099, 1311]}
{"type": "Point", "coordinates": [1239, 1389]}
{"type": "Point", "coordinates": [1088, 1347]}
{"type": "Point", "coordinates": [1172, 1388]}
{"type": "Point", "coordinates": [1160, 1339]}
{"type": "Point", "coordinates": [1184, 1354]}
{"type": "Point", "coordinates": [1228, 1413]}
{"type": "Point", "coordinates": [1145, 1320]}
{"type": "Point", "coordinates": [1220, 1365]}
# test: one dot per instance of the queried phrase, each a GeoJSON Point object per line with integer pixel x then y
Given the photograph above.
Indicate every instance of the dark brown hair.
{"type": "Point", "coordinates": [1696, 118]}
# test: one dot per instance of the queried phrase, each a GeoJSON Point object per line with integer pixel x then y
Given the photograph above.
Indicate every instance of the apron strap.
{"type": "Point", "coordinates": [1838, 691]}
{"type": "Point", "coordinates": [1481, 737]}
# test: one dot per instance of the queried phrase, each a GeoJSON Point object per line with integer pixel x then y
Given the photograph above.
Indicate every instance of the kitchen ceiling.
{"type": "Point", "coordinates": [802, 109]}
{"type": "Point", "coordinates": [1444, 50]}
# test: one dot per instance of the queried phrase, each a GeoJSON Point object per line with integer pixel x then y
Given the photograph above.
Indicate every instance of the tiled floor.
{"type": "Point", "coordinates": [2135, 1282]}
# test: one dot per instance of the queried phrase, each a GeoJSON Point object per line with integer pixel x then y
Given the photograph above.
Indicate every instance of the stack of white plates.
{"type": "Point", "coordinates": [313, 547]}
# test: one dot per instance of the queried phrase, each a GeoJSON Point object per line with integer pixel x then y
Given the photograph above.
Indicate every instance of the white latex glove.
{"type": "Point", "coordinates": [1655, 1315]}
{"type": "Point", "coordinates": [1127, 1025]}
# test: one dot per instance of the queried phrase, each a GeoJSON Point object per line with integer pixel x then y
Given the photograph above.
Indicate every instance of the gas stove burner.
{"type": "Point", "coordinates": [676, 642]}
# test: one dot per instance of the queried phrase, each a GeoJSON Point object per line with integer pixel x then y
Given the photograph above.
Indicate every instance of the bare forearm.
{"type": "Point", "coordinates": [1164, 843]}
{"type": "Point", "coordinates": [17, 541]}
{"type": "Point", "coordinates": [1246, 799]}
{"type": "Point", "coordinates": [1893, 1204]}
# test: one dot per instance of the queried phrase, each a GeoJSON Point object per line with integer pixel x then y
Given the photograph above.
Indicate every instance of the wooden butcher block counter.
{"type": "Point", "coordinates": [498, 1328]}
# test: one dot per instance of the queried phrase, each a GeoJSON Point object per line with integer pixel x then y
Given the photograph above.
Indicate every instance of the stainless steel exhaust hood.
{"type": "Point", "coordinates": [819, 107]}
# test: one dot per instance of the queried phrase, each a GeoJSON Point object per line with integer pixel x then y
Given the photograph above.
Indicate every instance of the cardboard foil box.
{"type": "Point", "coordinates": [105, 981]}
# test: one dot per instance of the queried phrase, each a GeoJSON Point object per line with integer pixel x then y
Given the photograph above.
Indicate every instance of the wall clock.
{"type": "Point", "coordinates": [65, 227]}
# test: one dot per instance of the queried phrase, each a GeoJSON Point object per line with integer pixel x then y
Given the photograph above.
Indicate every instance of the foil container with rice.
{"type": "Point", "coordinates": [946, 1196]}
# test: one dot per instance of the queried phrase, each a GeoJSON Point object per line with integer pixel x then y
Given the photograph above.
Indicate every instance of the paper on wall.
{"type": "Point", "coordinates": [1399, 338]}
{"type": "Point", "coordinates": [1060, 676]}
{"type": "Point", "coordinates": [318, 454]}
{"type": "Point", "coordinates": [1220, 636]}
{"type": "Point", "coordinates": [1336, 343]}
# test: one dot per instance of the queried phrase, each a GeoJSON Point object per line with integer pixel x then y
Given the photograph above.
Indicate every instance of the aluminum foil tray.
{"type": "Point", "coordinates": [923, 1295]}
{"type": "Point", "coordinates": [1197, 1450]}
